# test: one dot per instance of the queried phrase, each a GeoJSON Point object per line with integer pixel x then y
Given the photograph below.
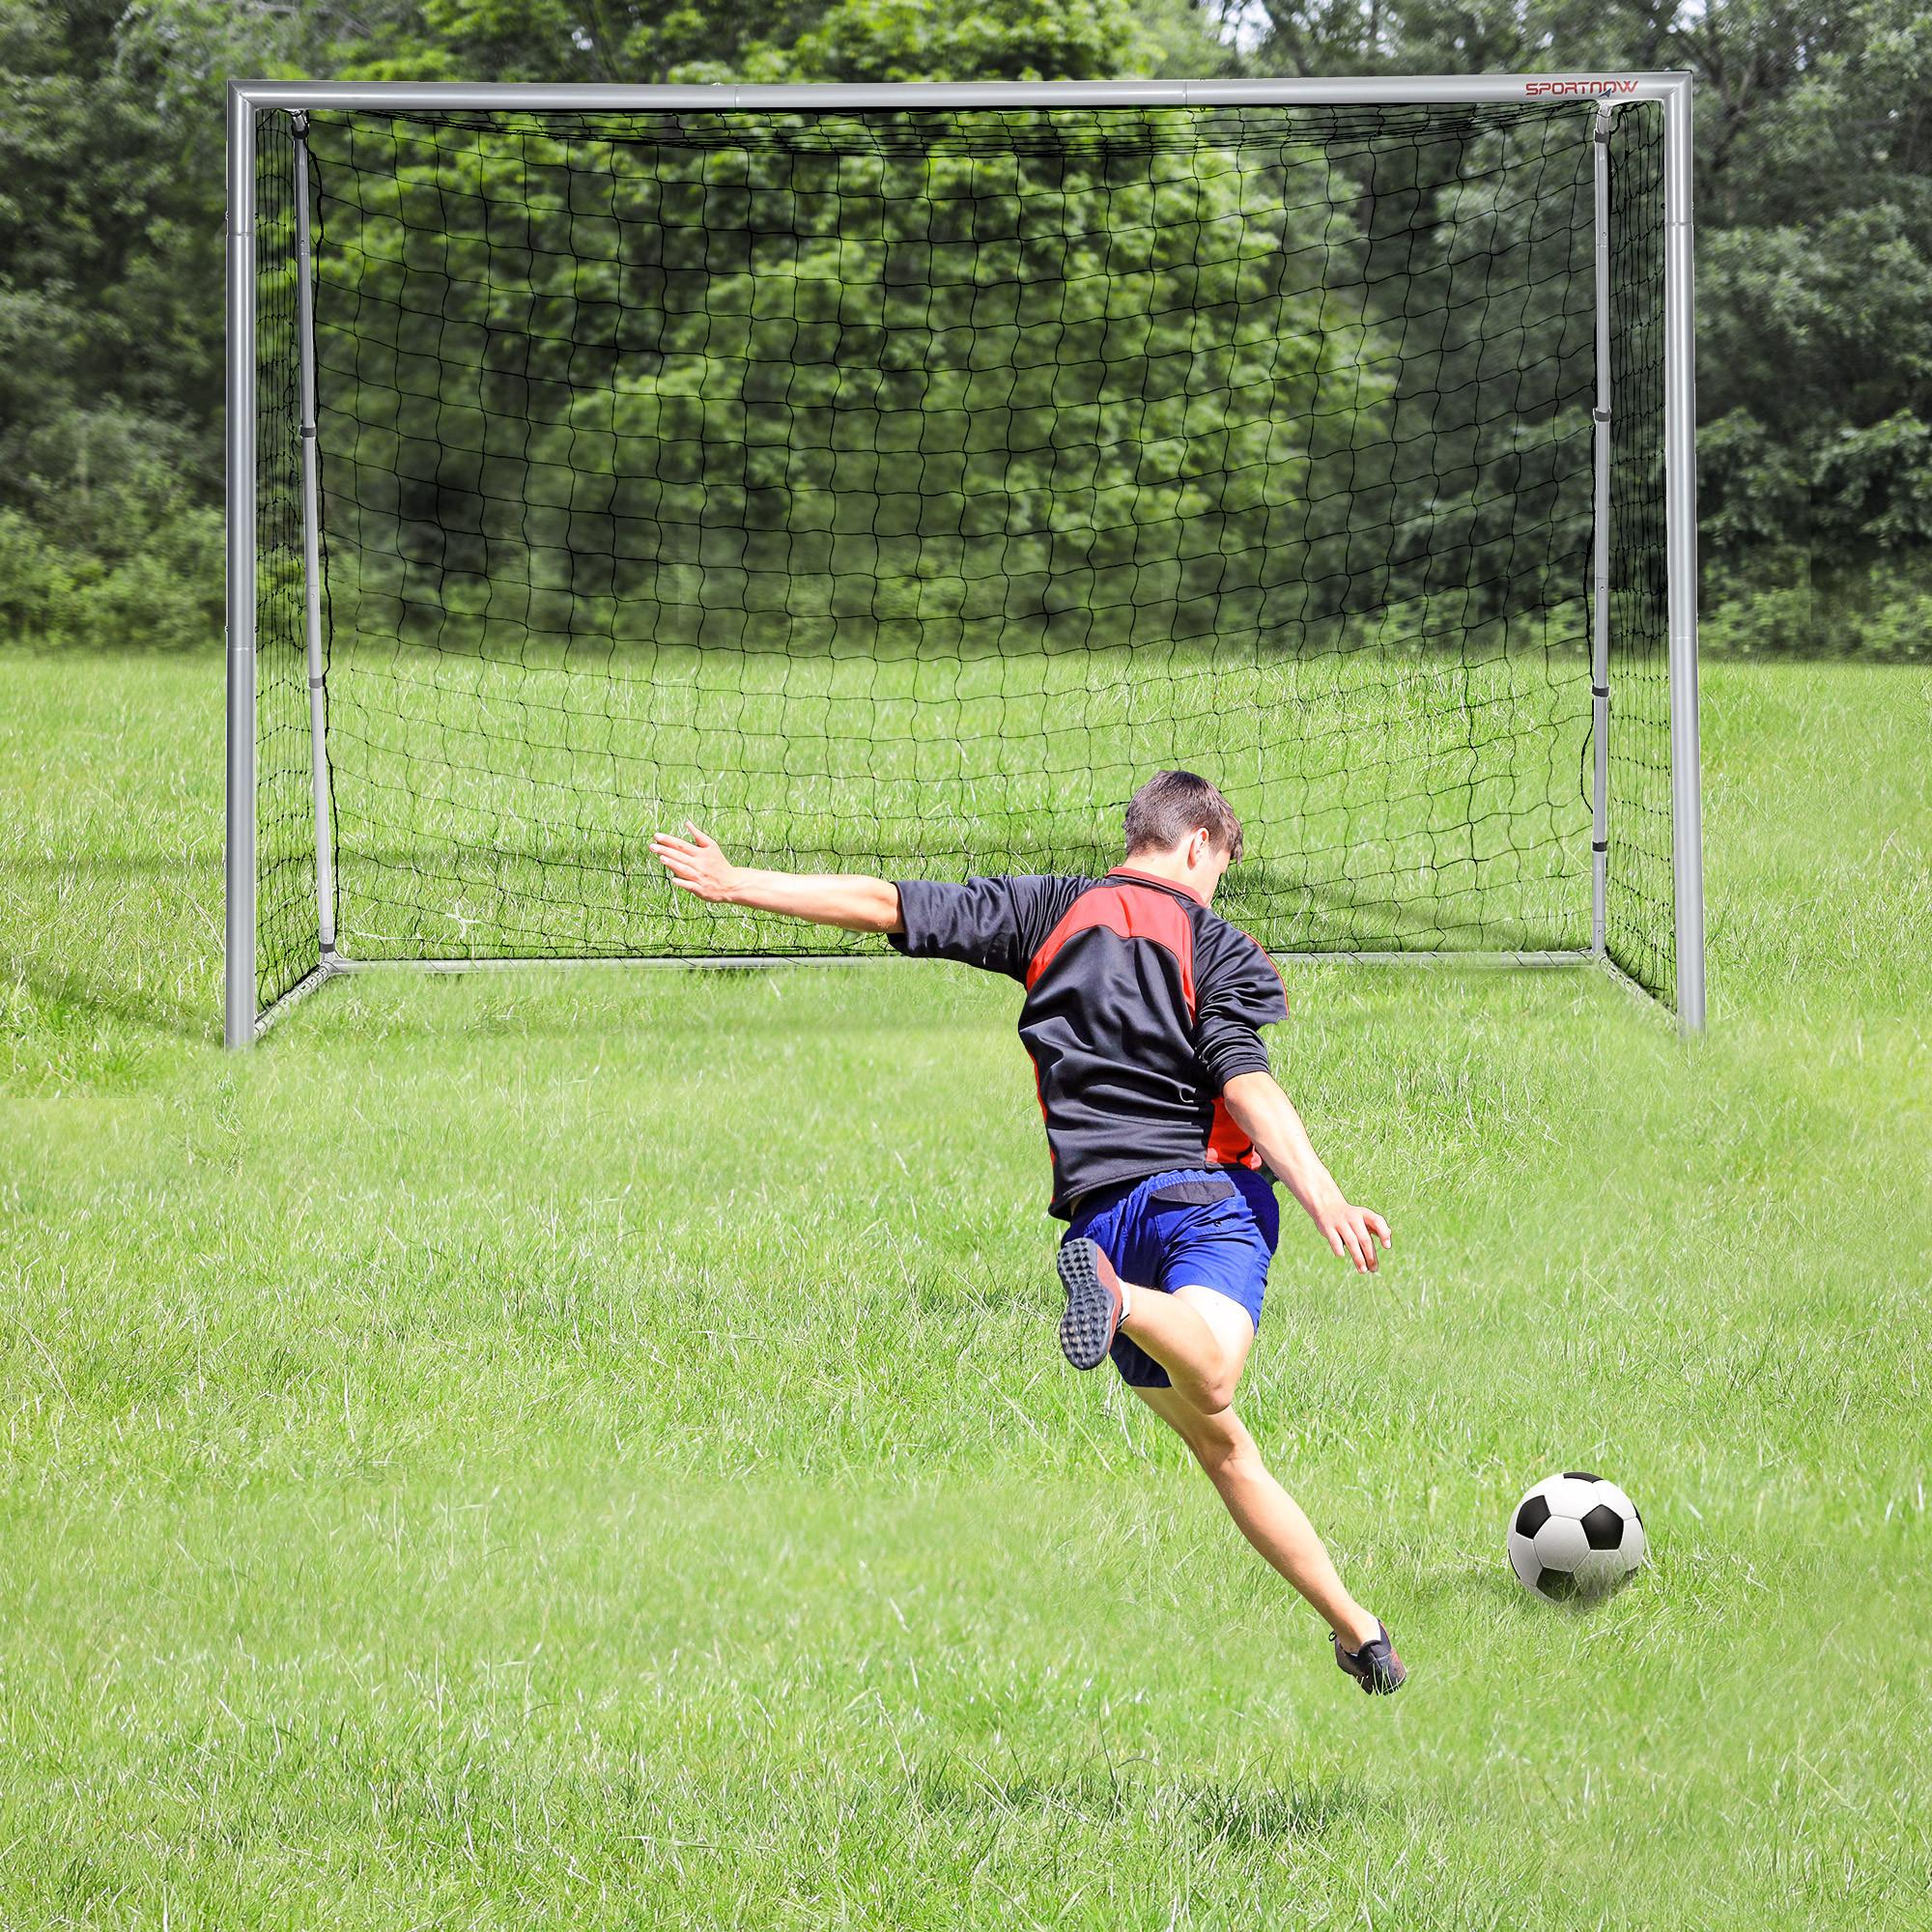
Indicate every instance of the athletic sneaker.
{"type": "Point", "coordinates": [1093, 1303]}
{"type": "Point", "coordinates": [1376, 1667]}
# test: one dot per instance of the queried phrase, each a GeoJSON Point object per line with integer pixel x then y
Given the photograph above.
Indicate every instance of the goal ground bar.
{"type": "Point", "coordinates": [335, 966]}
{"type": "Point", "coordinates": [717, 961]}
{"type": "Point", "coordinates": [317, 976]}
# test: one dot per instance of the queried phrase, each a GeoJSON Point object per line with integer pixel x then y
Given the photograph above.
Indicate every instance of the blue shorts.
{"type": "Point", "coordinates": [1195, 1227]}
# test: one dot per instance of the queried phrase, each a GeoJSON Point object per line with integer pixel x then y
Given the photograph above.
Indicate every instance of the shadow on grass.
{"type": "Point", "coordinates": [1475, 1586]}
{"type": "Point", "coordinates": [1491, 1590]}
{"type": "Point", "coordinates": [168, 865]}
{"type": "Point", "coordinates": [90, 996]}
{"type": "Point", "coordinates": [118, 935]}
{"type": "Point", "coordinates": [1248, 1811]}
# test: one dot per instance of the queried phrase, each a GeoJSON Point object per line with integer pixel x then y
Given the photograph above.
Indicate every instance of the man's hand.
{"type": "Point", "coordinates": [697, 864]}
{"type": "Point", "coordinates": [858, 904]}
{"type": "Point", "coordinates": [1268, 1117]}
{"type": "Point", "coordinates": [1351, 1231]}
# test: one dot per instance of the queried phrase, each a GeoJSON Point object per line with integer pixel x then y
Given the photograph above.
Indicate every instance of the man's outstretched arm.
{"type": "Point", "coordinates": [1268, 1117]}
{"type": "Point", "coordinates": [850, 899]}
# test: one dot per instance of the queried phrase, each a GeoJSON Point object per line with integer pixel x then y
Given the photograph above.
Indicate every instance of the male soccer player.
{"type": "Point", "coordinates": [1142, 1015]}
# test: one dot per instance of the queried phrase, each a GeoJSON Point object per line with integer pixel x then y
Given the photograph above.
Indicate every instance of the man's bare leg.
{"type": "Point", "coordinates": [1203, 1345]}
{"type": "Point", "coordinates": [1202, 1339]}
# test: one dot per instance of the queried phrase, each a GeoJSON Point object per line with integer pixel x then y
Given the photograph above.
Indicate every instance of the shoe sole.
{"type": "Point", "coordinates": [1376, 1683]}
{"type": "Point", "coordinates": [1087, 1327]}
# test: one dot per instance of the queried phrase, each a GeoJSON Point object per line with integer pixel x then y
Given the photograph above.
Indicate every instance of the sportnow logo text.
{"type": "Point", "coordinates": [1579, 87]}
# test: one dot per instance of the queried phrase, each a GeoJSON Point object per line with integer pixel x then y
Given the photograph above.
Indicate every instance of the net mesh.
{"type": "Point", "coordinates": [287, 945]}
{"type": "Point", "coordinates": [1638, 907]}
{"type": "Point", "coordinates": [894, 493]}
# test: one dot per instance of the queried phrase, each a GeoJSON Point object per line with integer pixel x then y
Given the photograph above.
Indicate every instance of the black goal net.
{"type": "Point", "coordinates": [894, 492]}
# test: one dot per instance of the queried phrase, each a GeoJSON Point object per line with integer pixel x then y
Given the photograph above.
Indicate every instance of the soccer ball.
{"type": "Point", "coordinates": [1575, 1536]}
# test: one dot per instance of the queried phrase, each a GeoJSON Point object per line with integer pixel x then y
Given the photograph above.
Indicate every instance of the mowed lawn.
{"type": "Point", "coordinates": [587, 1449]}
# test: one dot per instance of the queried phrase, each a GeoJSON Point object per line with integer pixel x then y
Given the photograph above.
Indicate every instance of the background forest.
{"type": "Point", "coordinates": [1815, 246]}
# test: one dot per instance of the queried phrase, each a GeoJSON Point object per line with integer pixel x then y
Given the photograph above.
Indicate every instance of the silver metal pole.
{"type": "Point", "coordinates": [318, 724]}
{"type": "Point", "coordinates": [1600, 603]}
{"type": "Point", "coordinates": [1680, 500]}
{"type": "Point", "coordinates": [240, 859]}
{"type": "Point", "coordinates": [900, 95]}
{"type": "Point", "coordinates": [679, 962]}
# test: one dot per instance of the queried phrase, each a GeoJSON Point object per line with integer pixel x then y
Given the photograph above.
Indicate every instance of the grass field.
{"type": "Point", "coordinates": [586, 1449]}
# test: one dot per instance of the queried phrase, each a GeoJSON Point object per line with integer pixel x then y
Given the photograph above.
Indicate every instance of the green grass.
{"type": "Point", "coordinates": [587, 1449]}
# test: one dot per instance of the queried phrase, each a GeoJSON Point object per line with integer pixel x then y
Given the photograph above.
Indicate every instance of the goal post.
{"type": "Point", "coordinates": [889, 476]}
{"type": "Point", "coordinates": [1680, 471]}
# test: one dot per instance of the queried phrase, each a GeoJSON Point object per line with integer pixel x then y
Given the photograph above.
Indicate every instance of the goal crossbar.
{"type": "Point", "coordinates": [246, 1013]}
{"type": "Point", "coordinates": [1380, 90]}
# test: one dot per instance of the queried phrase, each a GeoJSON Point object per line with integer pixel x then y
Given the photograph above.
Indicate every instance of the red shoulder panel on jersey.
{"type": "Point", "coordinates": [1133, 911]}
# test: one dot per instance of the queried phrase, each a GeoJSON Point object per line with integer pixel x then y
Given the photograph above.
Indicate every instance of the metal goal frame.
{"type": "Point", "coordinates": [244, 1022]}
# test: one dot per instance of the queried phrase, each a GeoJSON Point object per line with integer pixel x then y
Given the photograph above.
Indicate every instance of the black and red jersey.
{"type": "Point", "coordinates": [1141, 1005]}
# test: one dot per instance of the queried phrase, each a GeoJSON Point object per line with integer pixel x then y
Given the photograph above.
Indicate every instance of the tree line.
{"type": "Point", "coordinates": [1814, 245]}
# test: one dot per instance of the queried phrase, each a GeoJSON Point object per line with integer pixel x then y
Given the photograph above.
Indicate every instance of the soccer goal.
{"type": "Point", "coordinates": [888, 478]}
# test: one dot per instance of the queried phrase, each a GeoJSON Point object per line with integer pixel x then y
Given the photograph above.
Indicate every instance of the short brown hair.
{"type": "Point", "coordinates": [1173, 803]}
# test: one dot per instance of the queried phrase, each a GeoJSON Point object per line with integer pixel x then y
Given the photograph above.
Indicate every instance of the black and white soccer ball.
{"type": "Point", "coordinates": [1575, 1536]}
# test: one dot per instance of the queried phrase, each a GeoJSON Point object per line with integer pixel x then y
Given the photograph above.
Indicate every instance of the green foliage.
{"type": "Point", "coordinates": [774, 40]}
{"type": "Point", "coordinates": [162, 591]}
{"type": "Point", "coordinates": [1815, 281]}
{"type": "Point", "coordinates": [1777, 604]}
{"type": "Point", "coordinates": [956, 40]}
{"type": "Point", "coordinates": [1112, 376]}
{"type": "Point", "coordinates": [1814, 188]}
{"type": "Point", "coordinates": [107, 550]}
{"type": "Point", "coordinates": [111, 345]}
{"type": "Point", "coordinates": [1814, 272]}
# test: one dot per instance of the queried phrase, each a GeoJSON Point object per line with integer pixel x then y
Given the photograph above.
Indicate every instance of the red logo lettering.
{"type": "Point", "coordinates": [1586, 87]}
